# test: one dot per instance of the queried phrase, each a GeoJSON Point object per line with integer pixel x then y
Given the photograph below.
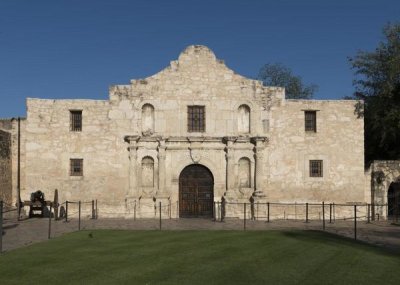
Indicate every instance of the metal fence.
{"type": "Point", "coordinates": [353, 221]}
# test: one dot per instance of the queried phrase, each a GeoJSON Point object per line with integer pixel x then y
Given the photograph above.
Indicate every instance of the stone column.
{"type": "Point", "coordinates": [259, 162]}
{"type": "Point", "coordinates": [161, 167]}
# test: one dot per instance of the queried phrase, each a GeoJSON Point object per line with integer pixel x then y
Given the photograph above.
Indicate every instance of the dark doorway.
{"type": "Point", "coordinates": [196, 192]}
{"type": "Point", "coordinates": [394, 200]}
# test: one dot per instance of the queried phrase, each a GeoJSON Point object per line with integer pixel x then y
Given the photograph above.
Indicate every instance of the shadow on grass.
{"type": "Point", "coordinates": [338, 240]}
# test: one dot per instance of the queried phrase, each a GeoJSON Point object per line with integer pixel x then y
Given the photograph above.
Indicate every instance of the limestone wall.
{"type": "Point", "coordinates": [196, 78]}
{"type": "Point", "coordinates": [339, 142]}
{"type": "Point", "coordinates": [50, 145]}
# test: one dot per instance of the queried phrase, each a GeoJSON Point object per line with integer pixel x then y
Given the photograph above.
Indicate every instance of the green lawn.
{"type": "Point", "coordinates": [199, 257]}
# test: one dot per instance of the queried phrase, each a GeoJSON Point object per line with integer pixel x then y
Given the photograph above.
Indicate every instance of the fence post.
{"type": "Point", "coordinates": [244, 216]}
{"type": "Point", "coordinates": [330, 213]}
{"type": "Point", "coordinates": [177, 209]}
{"type": "Point", "coordinates": [306, 212]}
{"type": "Point", "coordinates": [18, 205]}
{"type": "Point", "coordinates": [66, 211]}
{"type": "Point", "coordinates": [214, 212]}
{"type": "Point", "coordinates": [323, 215]}
{"type": "Point", "coordinates": [160, 215]}
{"type": "Point", "coordinates": [387, 212]}
{"type": "Point", "coordinates": [219, 211]}
{"type": "Point", "coordinates": [79, 219]}
{"type": "Point", "coordinates": [257, 211]}
{"type": "Point", "coordinates": [355, 222]}
{"type": "Point", "coordinates": [334, 212]}
{"type": "Point", "coordinates": [223, 209]}
{"type": "Point", "coordinates": [93, 210]}
{"type": "Point", "coordinates": [48, 236]}
{"type": "Point", "coordinates": [96, 211]}
{"type": "Point", "coordinates": [1, 226]}
{"type": "Point", "coordinates": [268, 212]}
{"type": "Point", "coordinates": [368, 213]}
{"type": "Point", "coordinates": [372, 211]}
{"type": "Point", "coordinates": [134, 211]}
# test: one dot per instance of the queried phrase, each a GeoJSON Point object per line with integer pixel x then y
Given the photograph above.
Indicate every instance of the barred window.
{"type": "Point", "coordinates": [76, 120]}
{"type": "Point", "coordinates": [196, 119]}
{"type": "Point", "coordinates": [316, 168]}
{"type": "Point", "coordinates": [310, 121]}
{"type": "Point", "coordinates": [76, 167]}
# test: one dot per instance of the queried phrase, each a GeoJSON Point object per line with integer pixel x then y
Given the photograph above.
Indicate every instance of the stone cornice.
{"type": "Point", "coordinates": [259, 139]}
{"type": "Point", "coordinates": [131, 138]}
{"type": "Point", "coordinates": [232, 140]}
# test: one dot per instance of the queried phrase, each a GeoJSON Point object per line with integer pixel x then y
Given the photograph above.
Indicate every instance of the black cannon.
{"type": "Point", "coordinates": [37, 204]}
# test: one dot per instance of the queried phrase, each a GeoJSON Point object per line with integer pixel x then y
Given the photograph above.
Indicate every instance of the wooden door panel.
{"type": "Point", "coordinates": [196, 192]}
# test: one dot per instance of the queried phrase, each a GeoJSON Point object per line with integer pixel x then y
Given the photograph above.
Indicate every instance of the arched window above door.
{"type": "Point", "coordinates": [244, 119]}
{"type": "Point", "coordinates": [147, 119]}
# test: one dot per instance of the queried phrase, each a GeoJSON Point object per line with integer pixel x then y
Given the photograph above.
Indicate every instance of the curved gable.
{"type": "Point", "coordinates": [198, 74]}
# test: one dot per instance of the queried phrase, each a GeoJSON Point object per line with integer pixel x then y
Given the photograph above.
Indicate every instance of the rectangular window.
{"type": "Point", "coordinates": [316, 168]}
{"type": "Point", "coordinates": [76, 167]}
{"type": "Point", "coordinates": [310, 121]}
{"type": "Point", "coordinates": [76, 120]}
{"type": "Point", "coordinates": [196, 119]}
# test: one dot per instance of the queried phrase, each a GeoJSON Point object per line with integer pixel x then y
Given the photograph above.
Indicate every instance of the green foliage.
{"type": "Point", "coordinates": [378, 85]}
{"type": "Point", "coordinates": [199, 257]}
{"type": "Point", "coordinates": [279, 75]}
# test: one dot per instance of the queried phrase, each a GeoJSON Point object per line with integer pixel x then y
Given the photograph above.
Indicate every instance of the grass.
{"type": "Point", "coordinates": [199, 257]}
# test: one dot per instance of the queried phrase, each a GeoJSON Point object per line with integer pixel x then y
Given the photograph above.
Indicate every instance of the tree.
{"type": "Point", "coordinates": [378, 85]}
{"type": "Point", "coordinates": [277, 74]}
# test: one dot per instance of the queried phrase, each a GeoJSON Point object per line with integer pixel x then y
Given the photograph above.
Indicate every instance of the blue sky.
{"type": "Point", "coordinates": [76, 48]}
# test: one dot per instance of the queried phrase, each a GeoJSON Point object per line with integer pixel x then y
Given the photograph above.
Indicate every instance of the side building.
{"type": "Point", "coordinates": [12, 159]}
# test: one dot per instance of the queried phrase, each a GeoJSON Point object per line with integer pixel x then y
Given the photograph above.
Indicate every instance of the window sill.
{"type": "Point", "coordinates": [196, 134]}
{"type": "Point", "coordinates": [311, 134]}
{"type": "Point", "coordinates": [72, 177]}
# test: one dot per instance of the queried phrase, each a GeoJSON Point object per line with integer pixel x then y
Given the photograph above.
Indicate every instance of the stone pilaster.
{"type": "Point", "coordinates": [133, 188]}
{"type": "Point", "coordinates": [161, 168]}
{"type": "Point", "coordinates": [259, 146]}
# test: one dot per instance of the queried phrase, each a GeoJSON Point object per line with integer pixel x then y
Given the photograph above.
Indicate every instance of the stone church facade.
{"type": "Point", "coordinates": [193, 134]}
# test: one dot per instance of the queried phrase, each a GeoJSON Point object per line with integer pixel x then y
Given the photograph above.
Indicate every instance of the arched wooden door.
{"type": "Point", "coordinates": [196, 192]}
{"type": "Point", "coordinates": [394, 200]}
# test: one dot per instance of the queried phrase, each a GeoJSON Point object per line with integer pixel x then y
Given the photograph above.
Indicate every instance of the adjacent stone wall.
{"type": "Point", "coordinates": [338, 142]}
{"type": "Point", "coordinates": [50, 145]}
{"type": "Point", "coordinates": [10, 126]}
{"type": "Point", "coordinates": [5, 167]}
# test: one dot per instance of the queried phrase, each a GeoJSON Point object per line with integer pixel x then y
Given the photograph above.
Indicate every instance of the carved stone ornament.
{"type": "Point", "coordinates": [195, 155]}
{"type": "Point", "coordinates": [147, 133]}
